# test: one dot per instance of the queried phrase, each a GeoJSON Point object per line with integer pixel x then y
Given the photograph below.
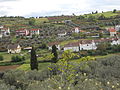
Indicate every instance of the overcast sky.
{"type": "Point", "coordinates": [54, 7]}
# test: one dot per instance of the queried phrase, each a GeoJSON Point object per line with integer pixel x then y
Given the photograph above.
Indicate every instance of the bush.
{"type": "Point", "coordinates": [1, 58]}
{"type": "Point", "coordinates": [17, 58]}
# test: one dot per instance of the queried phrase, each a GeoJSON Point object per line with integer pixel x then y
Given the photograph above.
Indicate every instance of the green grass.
{"type": "Point", "coordinates": [6, 56]}
{"type": "Point", "coordinates": [41, 20]}
{"type": "Point", "coordinates": [24, 67]}
{"type": "Point", "coordinates": [10, 63]}
{"type": "Point", "coordinates": [41, 66]}
{"type": "Point", "coordinates": [107, 55]}
{"type": "Point", "coordinates": [106, 14]}
{"type": "Point", "coordinates": [95, 57]}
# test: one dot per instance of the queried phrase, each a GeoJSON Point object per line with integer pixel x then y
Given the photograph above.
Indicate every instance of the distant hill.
{"type": "Point", "coordinates": [103, 19]}
{"type": "Point", "coordinates": [106, 14]}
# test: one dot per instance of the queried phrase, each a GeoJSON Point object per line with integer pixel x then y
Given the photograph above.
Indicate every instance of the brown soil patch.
{"type": "Point", "coordinates": [3, 68]}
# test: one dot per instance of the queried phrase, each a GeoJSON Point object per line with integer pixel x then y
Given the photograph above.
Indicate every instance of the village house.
{"type": "Point", "coordinates": [1, 35]}
{"type": "Point", "coordinates": [72, 46]}
{"type": "Point", "coordinates": [115, 41]}
{"type": "Point", "coordinates": [22, 32]}
{"type": "Point", "coordinates": [112, 32]}
{"type": "Point", "coordinates": [87, 45]}
{"type": "Point", "coordinates": [4, 31]}
{"type": "Point", "coordinates": [62, 34]}
{"type": "Point", "coordinates": [14, 48]}
{"type": "Point", "coordinates": [117, 27]}
{"type": "Point", "coordinates": [57, 44]}
{"type": "Point", "coordinates": [28, 49]}
{"type": "Point", "coordinates": [76, 30]}
{"type": "Point", "coordinates": [90, 44]}
{"type": "Point", "coordinates": [34, 31]}
{"type": "Point", "coordinates": [1, 26]}
{"type": "Point", "coordinates": [83, 31]}
{"type": "Point", "coordinates": [81, 45]}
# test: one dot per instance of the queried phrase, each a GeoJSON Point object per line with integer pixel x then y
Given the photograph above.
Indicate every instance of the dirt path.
{"type": "Point", "coordinates": [3, 68]}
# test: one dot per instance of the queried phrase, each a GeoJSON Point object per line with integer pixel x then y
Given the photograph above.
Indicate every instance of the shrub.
{"type": "Point", "coordinates": [1, 58]}
{"type": "Point", "coordinates": [17, 58]}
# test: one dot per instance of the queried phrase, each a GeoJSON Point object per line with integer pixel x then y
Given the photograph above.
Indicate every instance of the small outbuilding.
{"type": "Point", "coordinates": [14, 48]}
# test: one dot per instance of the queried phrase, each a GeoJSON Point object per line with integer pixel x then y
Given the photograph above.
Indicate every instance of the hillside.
{"type": "Point", "coordinates": [83, 74]}
{"type": "Point", "coordinates": [101, 19]}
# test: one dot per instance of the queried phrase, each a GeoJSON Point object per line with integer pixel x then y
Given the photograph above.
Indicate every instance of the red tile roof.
{"type": "Point", "coordinates": [22, 29]}
{"type": "Point", "coordinates": [34, 29]}
{"type": "Point", "coordinates": [53, 43]}
{"type": "Point", "coordinates": [73, 44]}
{"type": "Point", "coordinates": [112, 30]}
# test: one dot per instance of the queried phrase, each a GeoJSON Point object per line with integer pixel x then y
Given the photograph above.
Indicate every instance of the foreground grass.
{"type": "Point", "coordinates": [26, 67]}
{"type": "Point", "coordinates": [6, 56]}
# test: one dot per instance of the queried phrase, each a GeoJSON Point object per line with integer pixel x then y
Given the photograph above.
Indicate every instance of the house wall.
{"type": "Point", "coordinates": [117, 28]}
{"type": "Point", "coordinates": [88, 46]}
{"type": "Point", "coordinates": [57, 46]}
{"type": "Point", "coordinates": [115, 42]}
{"type": "Point", "coordinates": [61, 35]}
{"type": "Point", "coordinates": [24, 32]}
{"type": "Point", "coordinates": [76, 48]}
{"type": "Point", "coordinates": [35, 32]}
{"type": "Point", "coordinates": [91, 46]}
{"type": "Point", "coordinates": [17, 50]}
{"type": "Point", "coordinates": [112, 34]}
{"type": "Point", "coordinates": [5, 32]}
{"type": "Point", "coordinates": [77, 30]}
{"type": "Point", "coordinates": [1, 35]}
{"type": "Point", "coordinates": [14, 51]}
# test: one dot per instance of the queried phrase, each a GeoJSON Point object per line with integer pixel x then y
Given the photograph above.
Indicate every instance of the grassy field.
{"type": "Point", "coordinates": [6, 56]}
{"type": "Point", "coordinates": [26, 67]}
{"type": "Point", "coordinates": [106, 14]}
{"type": "Point", "coordinates": [41, 20]}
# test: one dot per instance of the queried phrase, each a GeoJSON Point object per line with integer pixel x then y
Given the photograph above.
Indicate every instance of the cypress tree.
{"type": "Point", "coordinates": [54, 51]}
{"type": "Point", "coordinates": [33, 60]}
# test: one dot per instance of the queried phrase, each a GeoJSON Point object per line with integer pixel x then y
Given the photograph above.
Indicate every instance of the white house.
{"type": "Point", "coordinates": [14, 48]}
{"type": "Point", "coordinates": [88, 45]}
{"type": "Point", "coordinates": [4, 31]}
{"type": "Point", "coordinates": [72, 46]}
{"type": "Point", "coordinates": [57, 44]}
{"type": "Point", "coordinates": [34, 31]}
{"type": "Point", "coordinates": [117, 27]}
{"type": "Point", "coordinates": [112, 32]}
{"type": "Point", "coordinates": [81, 45]}
{"type": "Point", "coordinates": [22, 32]}
{"type": "Point", "coordinates": [1, 35]}
{"type": "Point", "coordinates": [62, 34]}
{"type": "Point", "coordinates": [76, 30]}
{"type": "Point", "coordinates": [115, 41]}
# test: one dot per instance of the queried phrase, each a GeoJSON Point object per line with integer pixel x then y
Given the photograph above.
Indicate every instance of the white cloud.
{"type": "Point", "coordinates": [53, 7]}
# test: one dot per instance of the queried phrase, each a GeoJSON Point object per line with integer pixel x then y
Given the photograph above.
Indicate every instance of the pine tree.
{"type": "Point", "coordinates": [54, 51]}
{"type": "Point", "coordinates": [33, 62]}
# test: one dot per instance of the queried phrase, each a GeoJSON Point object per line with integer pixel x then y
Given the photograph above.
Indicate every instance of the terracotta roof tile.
{"type": "Point", "coordinates": [112, 30]}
